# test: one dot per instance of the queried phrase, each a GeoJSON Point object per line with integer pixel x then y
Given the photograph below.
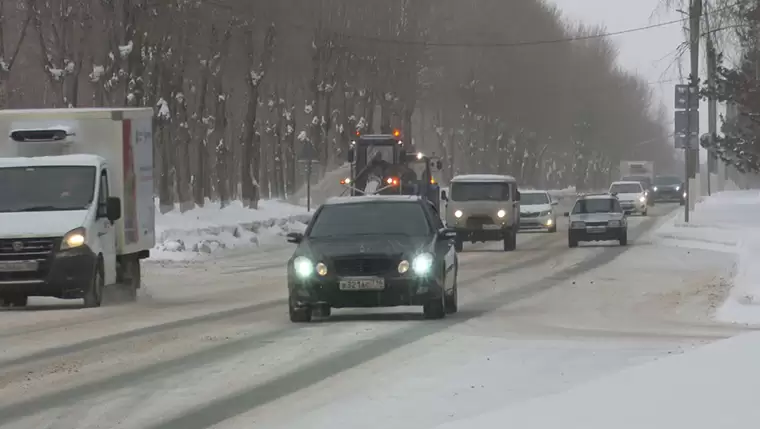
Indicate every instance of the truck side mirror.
{"type": "Point", "coordinates": [517, 196]}
{"type": "Point", "coordinates": [444, 196]}
{"type": "Point", "coordinates": [113, 209]}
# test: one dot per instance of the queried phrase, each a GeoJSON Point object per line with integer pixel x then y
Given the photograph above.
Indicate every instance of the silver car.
{"type": "Point", "coordinates": [597, 217]}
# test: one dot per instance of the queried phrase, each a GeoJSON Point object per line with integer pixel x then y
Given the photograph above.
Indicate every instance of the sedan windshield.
{"type": "Point", "coordinates": [47, 188]}
{"type": "Point", "coordinates": [533, 198]}
{"type": "Point", "coordinates": [625, 188]}
{"type": "Point", "coordinates": [667, 181]}
{"type": "Point", "coordinates": [375, 218]}
{"type": "Point", "coordinates": [597, 205]}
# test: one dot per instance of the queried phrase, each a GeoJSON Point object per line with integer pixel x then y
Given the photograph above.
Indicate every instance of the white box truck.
{"type": "Point", "coordinates": [76, 202]}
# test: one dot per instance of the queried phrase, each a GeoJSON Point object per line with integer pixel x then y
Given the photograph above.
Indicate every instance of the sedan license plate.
{"type": "Point", "coordinates": [596, 229]}
{"type": "Point", "coordinates": [491, 226]}
{"type": "Point", "coordinates": [367, 283]}
{"type": "Point", "coordinates": [16, 266]}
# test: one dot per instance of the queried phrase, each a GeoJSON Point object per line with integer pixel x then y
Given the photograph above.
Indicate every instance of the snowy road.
{"type": "Point", "coordinates": [210, 344]}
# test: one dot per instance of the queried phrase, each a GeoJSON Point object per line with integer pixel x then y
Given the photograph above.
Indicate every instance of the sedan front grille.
{"type": "Point", "coordinates": [366, 266]}
{"type": "Point", "coordinates": [597, 223]}
{"type": "Point", "coordinates": [530, 214]}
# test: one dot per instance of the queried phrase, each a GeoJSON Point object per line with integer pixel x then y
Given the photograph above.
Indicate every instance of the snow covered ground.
{"type": "Point", "coordinates": [726, 222]}
{"type": "Point", "coordinates": [205, 230]}
{"type": "Point", "coordinates": [711, 387]}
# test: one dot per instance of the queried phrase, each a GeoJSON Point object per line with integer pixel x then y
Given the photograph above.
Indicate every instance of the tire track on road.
{"type": "Point", "coordinates": [64, 397]}
{"type": "Point", "coordinates": [315, 372]}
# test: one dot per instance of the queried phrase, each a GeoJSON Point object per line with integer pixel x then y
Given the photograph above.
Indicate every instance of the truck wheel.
{"type": "Point", "coordinates": [93, 296]}
{"type": "Point", "coordinates": [510, 241]}
{"type": "Point", "coordinates": [130, 281]}
{"type": "Point", "coordinates": [624, 239]}
{"type": "Point", "coordinates": [452, 301]}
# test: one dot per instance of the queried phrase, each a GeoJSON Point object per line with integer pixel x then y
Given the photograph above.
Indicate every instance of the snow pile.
{"type": "Point", "coordinates": [205, 230]}
{"type": "Point", "coordinates": [710, 387]}
{"type": "Point", "coordinates": [329, 186]}
{"type": "Point", "coordinates": [726, 222]}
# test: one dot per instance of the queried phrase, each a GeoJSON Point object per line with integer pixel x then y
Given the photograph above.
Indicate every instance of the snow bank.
{"type": "Point", "coordinates": [726, 222]}
{"type": "Point", "coordinates": [208, 229]}
{"type": "Point", "coordinates": [707, 388]}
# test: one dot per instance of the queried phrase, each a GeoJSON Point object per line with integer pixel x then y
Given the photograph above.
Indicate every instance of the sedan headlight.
{"type": "Point", "coordinates": [403, 266]}
{"type": "Point", "coordinates": [321, 269]}
{"type": "Point", "coordinates": [501, 213]}
{"type": "Point", "coordinates": [74, 238]}
{"type": "Point", "coordinates": [577, 225]}
{"type": "Point", "coordinates": [422, 263]}
{"type": "Point", "coordinates": [678, 188]}
{"type": "Point", "coordinates": [303, 266]}
{"type": "Point", "coordinates": [643, 199]}
{"type": "Point", "coordinates": [655, 189]}
{"type": "Point", "coordinates": [545, 213]}
{"type": "Point", "coordinates": [458, 214]}
{"type": "Point", "coordinates": [614, 223]}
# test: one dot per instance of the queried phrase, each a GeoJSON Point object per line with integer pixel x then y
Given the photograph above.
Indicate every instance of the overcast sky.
{"type": "Point", "coordinates": [650, 53]}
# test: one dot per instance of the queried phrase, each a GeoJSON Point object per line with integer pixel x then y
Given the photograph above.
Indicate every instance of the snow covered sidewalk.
{"type": "Point", "coordinates": [206, 230]}
{"type": "Point", "coordinates": [707, 388]}
{"type": "Point", "coordinates": [726, 222]}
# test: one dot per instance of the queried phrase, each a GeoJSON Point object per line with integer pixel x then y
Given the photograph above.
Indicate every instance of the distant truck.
{"type": "Point", "coordinates": [76, 202]}
{"type": "Point", "coordinates": [639, 171]}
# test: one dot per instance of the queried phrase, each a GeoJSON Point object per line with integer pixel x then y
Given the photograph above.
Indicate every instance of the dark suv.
{"type": "Point", "coordinates": [373, 251]}
{"type": "Point", "coordinates": [668, 188]}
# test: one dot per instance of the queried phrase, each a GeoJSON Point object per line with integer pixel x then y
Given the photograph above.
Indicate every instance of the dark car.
{"type": "Point", "coordinates": [668, 189]}
{"type": "Point", "coordinates": [373, 251]}
{"type": "Point", "coordinates": [597, 218]}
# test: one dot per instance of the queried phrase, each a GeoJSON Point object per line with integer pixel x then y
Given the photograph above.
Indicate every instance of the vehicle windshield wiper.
{"type": "Point", "coordinates": [39, 209]}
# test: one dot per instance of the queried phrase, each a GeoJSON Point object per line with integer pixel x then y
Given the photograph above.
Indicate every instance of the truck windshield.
{"type": "Point", "coordinates": [46, 188]}
{"type": "Point", "coordinates": [480, 191]}
{"type": "Point", "coordinates": [380, 153]}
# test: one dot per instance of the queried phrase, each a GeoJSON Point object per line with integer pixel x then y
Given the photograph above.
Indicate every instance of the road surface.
{"type": "Point", "coordinates": [209, 343]}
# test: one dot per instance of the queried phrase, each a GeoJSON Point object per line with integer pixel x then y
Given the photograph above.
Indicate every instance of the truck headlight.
{"type": "Point", "coordinates": [501, 213]}
{"type": "Point", "coordinates": [614, 223]}
{"type": "Point", "coordinates": [575, 225]}
{"type": "Point", "coordinates": [303, 266]}
{"type": "Point", "coordinates": [458, 214]}
{"type": "Point", "coordinates": [642, 199]}
{"type": "Point", "coordinates": [74, 238]}
{"type": "Point", "coordinates": [422, 263]}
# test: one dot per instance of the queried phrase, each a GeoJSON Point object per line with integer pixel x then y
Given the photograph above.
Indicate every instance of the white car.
{"type": "Point", "coordinates": [537, 211]}
{"type": "Point", "coordinates": [632, 196]}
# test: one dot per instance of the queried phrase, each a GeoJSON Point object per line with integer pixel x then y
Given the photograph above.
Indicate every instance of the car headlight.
{"type": "Point", "coordinates": [684, 194]}
{"type": "Point", "coordinates": [321, 269]}
{"type": "Point", "coordinates": [643, 199]}
{"type": "Point", "coordinates": [458, 213]}
{"type": "Point", "coordinates": [403, 266]}
{"type": "Point", "coordinates": [678, 188]}
{"type": "Point", "coordinates": [422, 263]}
{"type": "Point", "coordinates": [655, 189]}
{"type": "Point", "coordinates": [614, 223]}
{"type": "Point", "coordinates": [545, 213]}
{"type": "Point", "coordinates": [501, 213]}
{"type": "Point", "coordinates": [303, 266]}
{"type": "Point", "coordinates": [577, 225]}
{"type": "Point", "coordinates": [74, 238]}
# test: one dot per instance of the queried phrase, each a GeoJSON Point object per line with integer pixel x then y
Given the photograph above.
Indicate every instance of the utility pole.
{"type": "Point", "coordinates": [712, 109]}
{"type": "Point", "coordinates": [692, 153]}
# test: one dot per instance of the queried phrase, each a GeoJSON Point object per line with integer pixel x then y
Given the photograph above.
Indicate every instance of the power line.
{"type": "Point", "coordinates": [389, 41]}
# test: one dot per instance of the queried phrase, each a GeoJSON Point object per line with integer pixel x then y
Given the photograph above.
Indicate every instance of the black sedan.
{"type": "Point", "coordinates": [373, 251]}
